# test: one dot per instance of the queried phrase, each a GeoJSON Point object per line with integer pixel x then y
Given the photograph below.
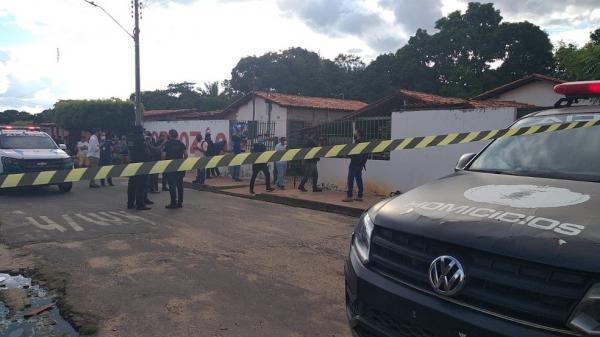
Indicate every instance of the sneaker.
{"type": "Point", "coordinates": [301, 188]}
{"type": "Point", "coordinates": [358, 199]}
{"type": "Point", "coordinates": [270, 189]}
{"type": "Point", "coordinates": [171, 206]}
{"type": "Point", "coordinates": [348, 200]}
{"type": "Point", "coordinates": [317, 189]}
{"type": "Point", "coordinates": [143, 208]}
{"type": "Point", "coordinates": [179, 205]}
{"type": "Point", "coordinates": [130, 206]}
{"type": "Point", "coordinates": [252, 192]}
{"type": "Point", "coordinates": [149, 202]}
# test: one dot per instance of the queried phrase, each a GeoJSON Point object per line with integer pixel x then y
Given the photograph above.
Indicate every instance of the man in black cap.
{"type": "Point", "coordinates": [136, 187]}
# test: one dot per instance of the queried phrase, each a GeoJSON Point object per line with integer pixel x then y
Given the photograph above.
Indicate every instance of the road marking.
{"type": "Point", "coordinates": [19, 212]}
{"type": "Point", "coordinates": [72, 223]}
{"type": "Point", "coordinates": [51, 225]}
{"type": "Point", "coordinates": [132, 217]}
{"type": "Point", "coordinates": [103, 218]}
{"type": "Point", "coordinates": [88, 219]}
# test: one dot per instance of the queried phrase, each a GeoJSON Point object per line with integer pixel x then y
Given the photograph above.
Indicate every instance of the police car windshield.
{"type": "Point", "coordinates": [26, 141]}
{"type": "Point", "coordinates": [570, 154]}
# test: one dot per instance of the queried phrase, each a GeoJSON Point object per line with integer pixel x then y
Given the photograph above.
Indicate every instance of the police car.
{"type": "Point", "coordinates": [25, 150]}
{"type": "Point", "coordinates": [508, 245]}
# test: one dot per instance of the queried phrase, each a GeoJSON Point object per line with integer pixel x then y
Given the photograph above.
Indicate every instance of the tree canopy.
{"type": "Point", "coordinates": [111, 114]}
{"type": "Point", "coordinates": [185, 95]}
{"type": "Point", "coordinates": [579, 64]}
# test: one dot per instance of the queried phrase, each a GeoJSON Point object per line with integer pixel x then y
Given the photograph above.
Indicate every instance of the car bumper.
{"type": "Point", "coordinates": [379, 307]}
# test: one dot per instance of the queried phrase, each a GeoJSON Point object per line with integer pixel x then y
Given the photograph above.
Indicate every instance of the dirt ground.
{"type": "Point", "coordinates": [221, 266]}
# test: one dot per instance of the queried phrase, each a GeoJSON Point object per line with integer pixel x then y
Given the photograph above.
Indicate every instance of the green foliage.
{"type": "Point", "coordinates": [112, 114]}
{"type": "Point", "coordinates": [294, 71]}
{"type": "Point", "coordinates": [579, 64]}
{"type": "Point", "coordinates": [184, 95]}
{"type": "Point", "coordinates": [15, 117]}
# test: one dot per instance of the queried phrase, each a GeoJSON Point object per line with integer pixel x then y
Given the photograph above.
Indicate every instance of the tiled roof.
{"type": "Point", "coordinates": [286, 100]}
{"type": "Point", "coordinates": [407, 99]}
{"type": "Point", "coordinates": [517, 84]}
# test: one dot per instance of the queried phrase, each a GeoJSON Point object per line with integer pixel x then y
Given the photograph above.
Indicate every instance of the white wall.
{"type": "Point", "coordinates": [411, 168]}
{"type": "Point", "coordinates": [539, 93]}
{"type": "Point", "coordinates": [278, 115]}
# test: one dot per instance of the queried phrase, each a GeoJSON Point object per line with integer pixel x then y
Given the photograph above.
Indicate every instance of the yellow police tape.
{"type": "Point", "coordinates": [341, 150]}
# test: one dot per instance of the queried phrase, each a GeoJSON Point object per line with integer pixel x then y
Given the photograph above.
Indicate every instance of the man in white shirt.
{"type": "Point", "coordinates": [281, 165]}
{"type": "Point", "coordinates": [93, 154]}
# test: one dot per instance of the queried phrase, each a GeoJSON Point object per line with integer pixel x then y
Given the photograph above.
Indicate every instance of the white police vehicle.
{"type": "Point", "coordinates": [26, 150]}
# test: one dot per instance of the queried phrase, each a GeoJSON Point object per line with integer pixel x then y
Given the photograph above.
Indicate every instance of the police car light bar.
{"type": "Point", "coordinates": [579, 89]}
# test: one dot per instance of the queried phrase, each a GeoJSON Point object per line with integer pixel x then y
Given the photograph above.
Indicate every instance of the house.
{"type": "Point", "coordinates": [289, 112]}
{"type": "Point", "coordinates": [534, 89]}
{"type": "Point", "coordinates": [409, 113]}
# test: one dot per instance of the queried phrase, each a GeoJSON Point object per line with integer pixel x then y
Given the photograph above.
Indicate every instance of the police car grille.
{"type": "Point", "coordinates": [38, 165]}
{"type": "Point", "coordinates": [519, 289]}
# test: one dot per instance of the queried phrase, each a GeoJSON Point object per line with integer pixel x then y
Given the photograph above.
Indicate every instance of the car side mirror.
{"type": "Point", "coordinates": [62, 147]}
{"type": "Point", "coordinates": [464, 160]}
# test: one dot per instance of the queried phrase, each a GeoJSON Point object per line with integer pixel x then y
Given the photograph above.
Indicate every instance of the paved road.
{"type": "Point", "coordinates": [221, 266]}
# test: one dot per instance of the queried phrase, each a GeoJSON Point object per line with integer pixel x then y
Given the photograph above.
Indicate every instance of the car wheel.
{"type": "Point", "coordinates": [66, 187]}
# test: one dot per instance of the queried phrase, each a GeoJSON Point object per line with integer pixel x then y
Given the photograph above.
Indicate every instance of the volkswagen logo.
{"type": "Point", "coordinates": [446, 275]}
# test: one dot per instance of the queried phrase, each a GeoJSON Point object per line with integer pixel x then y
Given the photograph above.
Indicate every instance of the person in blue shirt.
{"type": "Point", "coordinates": [236, 148]}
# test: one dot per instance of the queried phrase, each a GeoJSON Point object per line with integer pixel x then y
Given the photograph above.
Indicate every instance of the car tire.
{"type": "Point", "coordinates": [66, 187]}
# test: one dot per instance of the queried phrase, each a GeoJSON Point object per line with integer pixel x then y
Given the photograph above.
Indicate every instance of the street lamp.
{"type": "Point", "coordinates": [136, 41]}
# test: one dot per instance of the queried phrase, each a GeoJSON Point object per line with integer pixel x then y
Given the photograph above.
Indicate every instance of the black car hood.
{"type": "Point", "coordinates": [548, 221]}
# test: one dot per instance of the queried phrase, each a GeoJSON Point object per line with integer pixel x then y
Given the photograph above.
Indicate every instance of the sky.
{"type": "Point", "coordinates": [68, 49]}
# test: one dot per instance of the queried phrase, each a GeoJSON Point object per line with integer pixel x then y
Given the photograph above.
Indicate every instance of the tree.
{"type": "Point", "coordinates": [293, 71]}
{"type": "Point", "coordinates": [112, 114]}
{"type": "Point", "coordinates": [349, 63]}
{"type": "Point", "coordinates": [211, 89]}
{"type": "Point", "coordinates": [578, 64]}
{"type": "Point", "coordinates": [595, 36]}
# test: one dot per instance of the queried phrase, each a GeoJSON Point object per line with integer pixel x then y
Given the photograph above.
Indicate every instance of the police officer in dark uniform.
{"type": "Point", "coordinates": [136, 187]}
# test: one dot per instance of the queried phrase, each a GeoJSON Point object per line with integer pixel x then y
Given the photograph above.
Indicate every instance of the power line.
{"type": "Point", "coordinates": [110, 16]}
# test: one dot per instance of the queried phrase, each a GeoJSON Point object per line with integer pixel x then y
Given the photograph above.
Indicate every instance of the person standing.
{"type": "Point", "coordinates": [123, 151]}
{"type": "Point", "coordinates": [310, 168]}
{"type": "Point", "coordinates": [260, 147]}
{"type": "Point", "coordinates": [357, 165]}
{"type": "Point", "coordinates": [236, 148]}
{"type": "Point", "coordinates": [200, 150]}
{"type": "Point", "coordinates": [93, 154]}
{"type": "Point", "coordinates": [82, 150]}
{"type": "Point", "coordinates": [281, 165]}
{"type": "Point", "coordinates": [174, 149]}
{"type": "Point", "coordinates": [106, 156]}
{"type": "Point", "coordinates": [136, 187]}
{"type": "Point", "coordinates": [155, 153]}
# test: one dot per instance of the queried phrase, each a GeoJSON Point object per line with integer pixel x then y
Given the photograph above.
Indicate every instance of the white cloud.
{"type": "Point", "coordinates": [202, 40]}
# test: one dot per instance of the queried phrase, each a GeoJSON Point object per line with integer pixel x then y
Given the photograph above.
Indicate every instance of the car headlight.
{"type": "Point", "coordinates": [9, 162]}
{"type": "Point", "coordinates": [586, 317]}
{"type": "Point", "coordinates": [362, 237]}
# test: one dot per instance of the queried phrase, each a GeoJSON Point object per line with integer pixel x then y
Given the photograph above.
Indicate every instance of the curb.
{"type": "Point", "coordinates": [272, 198]}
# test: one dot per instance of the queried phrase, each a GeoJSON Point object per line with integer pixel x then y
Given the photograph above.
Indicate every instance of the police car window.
{"type": "Point", "coordinates": [570, 154]}
{"type": "Point", "coordinates": [24, 141]}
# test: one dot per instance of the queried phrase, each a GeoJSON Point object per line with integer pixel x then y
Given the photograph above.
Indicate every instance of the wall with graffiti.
{"type": "Point", "coordinates": [219, 130]}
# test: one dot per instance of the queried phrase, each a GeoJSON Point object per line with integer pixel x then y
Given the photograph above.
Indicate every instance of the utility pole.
{"type": "Point", "coordinates": [136, 39]}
